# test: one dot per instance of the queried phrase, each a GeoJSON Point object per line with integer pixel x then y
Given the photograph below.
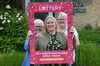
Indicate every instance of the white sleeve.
{"type": "Point", "coordinates": [75, 32]}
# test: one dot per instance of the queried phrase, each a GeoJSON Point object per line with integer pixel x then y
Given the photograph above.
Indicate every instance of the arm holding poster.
{"type": "Point", "coordinates": [63, 25]}
{"type": "Point", "coordinates": [38, 23]}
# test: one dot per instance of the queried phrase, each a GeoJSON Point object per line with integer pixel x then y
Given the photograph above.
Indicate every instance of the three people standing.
{"type": "Point", "coordinates": [53, 37]}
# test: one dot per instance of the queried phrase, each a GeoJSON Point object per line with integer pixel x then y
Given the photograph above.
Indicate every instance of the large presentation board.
{"type": "Point", "coordinates": [50, 57]}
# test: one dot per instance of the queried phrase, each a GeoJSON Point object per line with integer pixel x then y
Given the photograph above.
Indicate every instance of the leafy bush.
{"type": "Point", "coordinates": [89, 35]}
{"type": "Point", "coordinates": [13, 29]}
{"type": "Point", "coordinates": [97, 28]}
{"type": "Point", "coordinates": [87, 54]}
{"type": "Point", "coordinates": [88, 27]}
{"type": "Point", "coordinates": [13, 3]}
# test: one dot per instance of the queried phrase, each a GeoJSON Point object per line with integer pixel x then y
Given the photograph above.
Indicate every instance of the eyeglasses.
{"type": "Point", "coordinates": [62, 19]}
{"type": "Point", "coordinates": [38, 26]}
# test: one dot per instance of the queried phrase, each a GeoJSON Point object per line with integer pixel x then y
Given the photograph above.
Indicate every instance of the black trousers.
{"type": "Point", "coordinates": [31, 65]}
{"type": "Point", "coordinates": [73, 64]}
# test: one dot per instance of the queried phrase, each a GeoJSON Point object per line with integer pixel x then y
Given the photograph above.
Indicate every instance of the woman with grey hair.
{"type": "Point", "coordinates": [38, 27]}
{"type": "Point", "coordinates": [63, 25]}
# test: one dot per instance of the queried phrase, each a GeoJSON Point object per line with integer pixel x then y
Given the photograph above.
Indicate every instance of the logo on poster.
{"type": "Point", "coordinates": [49, 7]}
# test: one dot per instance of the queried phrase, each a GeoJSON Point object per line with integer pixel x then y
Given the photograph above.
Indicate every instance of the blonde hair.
{"type": "Point", "coordinates": [55, 21]}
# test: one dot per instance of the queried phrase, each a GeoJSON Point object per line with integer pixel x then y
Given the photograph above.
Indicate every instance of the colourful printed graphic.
{"type": "Point", "coordinates": [50, 57]}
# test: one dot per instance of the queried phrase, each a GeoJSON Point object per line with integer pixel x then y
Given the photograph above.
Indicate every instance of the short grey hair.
{"type": "Point", "coordinates": [39, 21]}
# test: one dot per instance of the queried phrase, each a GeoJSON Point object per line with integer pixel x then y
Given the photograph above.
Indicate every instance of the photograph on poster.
{"type": "Point", "coordinates": [53, 47]}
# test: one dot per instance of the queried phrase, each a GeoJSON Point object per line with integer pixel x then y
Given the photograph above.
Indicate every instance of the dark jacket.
{"type": "Point", "coordinates": [41, 43]}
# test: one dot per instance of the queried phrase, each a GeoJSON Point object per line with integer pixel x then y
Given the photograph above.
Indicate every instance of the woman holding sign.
{"type": "Point", "coordinates": [63, 25]}
{"type": "Point", "coordinates": [38, 25]}
{"type": "Point", "coordinates": [52, 40]}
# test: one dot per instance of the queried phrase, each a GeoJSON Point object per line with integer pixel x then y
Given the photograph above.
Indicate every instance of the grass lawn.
{"type": "Point", "coordinates": [12, 59]}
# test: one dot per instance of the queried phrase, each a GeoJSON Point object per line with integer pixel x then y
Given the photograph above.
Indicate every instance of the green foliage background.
{"type": "Point", "coordinates": [12, 36]}
{"type": "Point", "coordinates": [13, 3]}
{"type": "Point", "coordinates": [87, 54]}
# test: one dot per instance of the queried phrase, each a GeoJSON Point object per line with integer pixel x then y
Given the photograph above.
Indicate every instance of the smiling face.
{"type": "Point", "coordinates": [62, 22]}
{"type": "Point", "coordinates": [38, 27]}
{"type": "Point", "coordinates": [50, 25]}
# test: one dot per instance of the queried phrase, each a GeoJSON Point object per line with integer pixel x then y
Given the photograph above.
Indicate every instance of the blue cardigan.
{"type": "Point", "coordinates": [26, 61]}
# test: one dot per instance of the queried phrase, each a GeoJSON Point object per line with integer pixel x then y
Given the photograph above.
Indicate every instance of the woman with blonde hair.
{"type": "Point", "coordinates": [52, 40]}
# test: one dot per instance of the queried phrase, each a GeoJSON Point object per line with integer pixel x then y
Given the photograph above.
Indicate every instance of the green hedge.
{"type": "Point", "coordinates": [87, 54]}
{"type": "Point", "coordinates": [89, 35]}
{"type": "Point", "coordinates": [13, 30]}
